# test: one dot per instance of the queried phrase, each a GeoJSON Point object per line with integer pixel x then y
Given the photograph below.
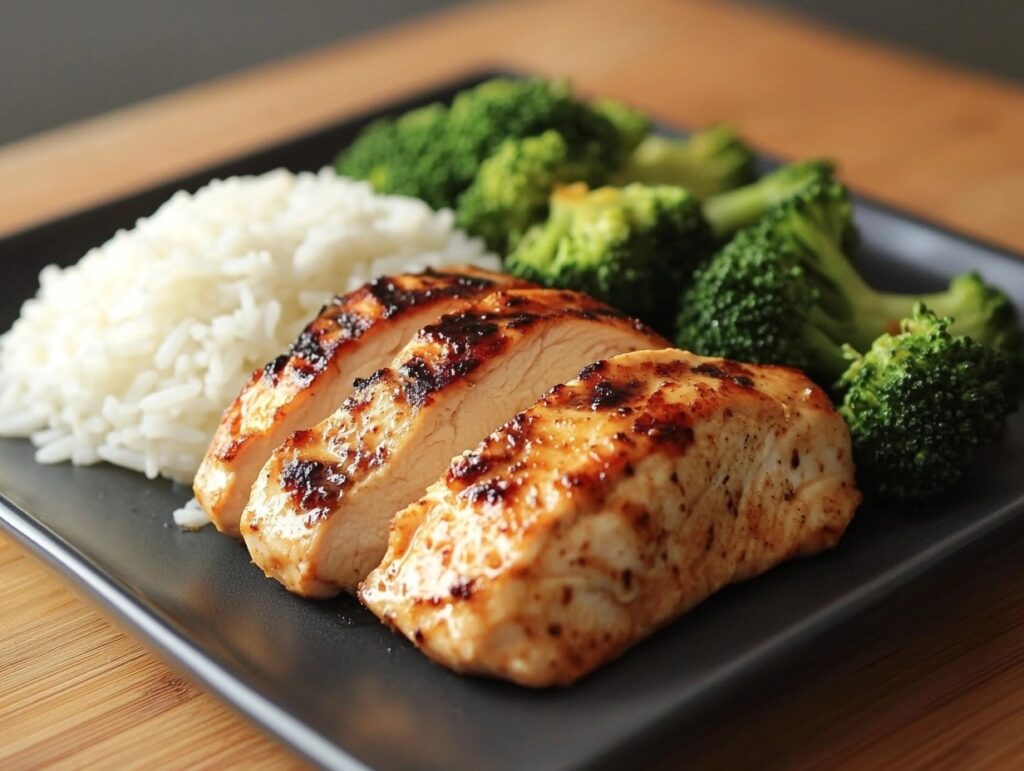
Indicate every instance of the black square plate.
{"type": "Point", "coordinates": [330, 681]}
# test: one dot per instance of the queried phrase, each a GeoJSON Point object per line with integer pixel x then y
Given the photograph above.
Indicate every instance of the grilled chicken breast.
{"type": "Point", "coordinates": [318, 517]}
{"type": "Point", "coordinates": [353, 335]}
{"type": "Point", "coordinates": [614, 504]}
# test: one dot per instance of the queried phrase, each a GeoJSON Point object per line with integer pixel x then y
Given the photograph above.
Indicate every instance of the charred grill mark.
{"type": "Point", "coordinates": [672, 369]}
{"type": "Point", "coordinates": [591, 370]}
{"type": "Point", "coordinates": [422, 380]}
{"type": "Point", "coordinates": [522, 320]}
{"type": "Point", "coordinates": [492, 492]}
{"type": "Point", "coordinates": [462, 333]}
{"type": "Point", "coordinates": [361, 383]}
{"type": "Point", "coordinates": [302, 438]}
{"type": "Point", "coordinates": [571, 480]}
{"type": "Point", "coordinates": [394, 299]}
{"type": "Point", "coordinates": [309, 355]}
{"type": "Point", "coordinates": [468, 340]}
{"type": "Point", "coordinates": [727, 370]}
{"type": "Point", "coordinates": [312, 350]}
{"type": "Point", "coordinates": [229, 451]}
{"type": "Point", "coordinates": [462, 589]}
{"type": "Point", "coordinates": [605, 393]}
{"type": "Point", "coordinates": [273, 368]}
{"type": "Point", "coordinates": [599, 391]}
{"type": "Point", "coordinates": [502, 446]}
{"type": "Point", "coordinates": [627, 579]}
{"type": "Point", "coordinates": [315, 487]}
{"type": "Point", "coordinates": [666, 427]}
{"type": "Point", "coordinates": [468, 468]}
{"type": "Point", "coordinates": [517, 431]}
{"type": "Point", "coordinates": [351, 325]}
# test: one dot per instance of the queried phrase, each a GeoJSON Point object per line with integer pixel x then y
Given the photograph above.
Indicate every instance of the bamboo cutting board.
{"type": "Point", "coordinates": [946, 684]}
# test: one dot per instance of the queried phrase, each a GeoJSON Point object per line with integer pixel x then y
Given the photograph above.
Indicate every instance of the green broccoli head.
{"type": "Point", "coordinates": [434, 153]}
{"type": "Point", "coordinates": [483, 117]}
{"type": "Point", "coordinates": [631, 125]}
{"type": "Point", "coordinates": [775, 293]}
{"type": "Point", "coordinates": [733, 210]}
{"type": "Point", "coordinates": [633, 247]}
{"type": "Point", "coordinates": [784, 292]}
{"type": "Point", "coordinates": [511, 191]}
{"type": "Point", "coordinates": [918, 403]}
{"type": "Point", "coordinates": [408, 156]}
{"type": "Point", "coordinates": [708, 162]}
{"type": "Point", "coordinates": [757, 301]}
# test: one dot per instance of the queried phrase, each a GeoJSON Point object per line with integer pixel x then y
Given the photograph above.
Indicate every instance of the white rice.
{"type": "Point", "coordinates": [131, 355]}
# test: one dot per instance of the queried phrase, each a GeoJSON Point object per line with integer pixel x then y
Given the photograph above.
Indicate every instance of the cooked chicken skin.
{"type": "Point", "coordinates": [613, 505]}
{"type": "Point", "coordinates": [353, 335]}
{"type": "Point", "coordinates": [318, 517]}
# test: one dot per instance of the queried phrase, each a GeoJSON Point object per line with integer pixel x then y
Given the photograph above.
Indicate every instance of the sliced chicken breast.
{"type": "Point", "coordinates": [354, 335]}
{"type": "Point", "coordinates": [617, 502]}
{"type": "Point", "coordinates": [318, 517]}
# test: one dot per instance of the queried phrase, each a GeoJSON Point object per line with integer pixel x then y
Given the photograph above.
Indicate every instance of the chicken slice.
{"type": "Point", "coordinates": [318, 517]}
{"type": "Point", "coordinates": [353, 335]}
{"type": "Point", "coordinates": [616, 503]}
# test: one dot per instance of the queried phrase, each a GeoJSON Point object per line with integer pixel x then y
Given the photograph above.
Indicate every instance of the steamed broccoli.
{"type": "Point", "coordinates": [633, 247]}
{"type": "Point", "coordinates": [733, 210]}
{"type": "Point", "coordinates": [631, 125]}
{"type": "Point", "coordinates": [919, 402]}
{"type": "Point", "coordinates": [435, 152]}
{"type": "Point", "coordinates": [783, 292]}
{"type": "Point", "coordinates": [408, 155]}
{"type": "Point", "coordinates": [511, 191]}
{"type": "Point", "coordinates": [710, 161]}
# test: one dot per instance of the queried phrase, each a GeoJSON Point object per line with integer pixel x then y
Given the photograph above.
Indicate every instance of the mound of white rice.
{"type": "Point", "coordinates": [130, 355]}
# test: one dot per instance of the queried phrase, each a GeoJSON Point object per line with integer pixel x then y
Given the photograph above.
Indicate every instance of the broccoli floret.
{"type": "Point", "coordinates": [434, 153]}
{"type": "Point", "coordinates": [631, 125]}
{"type": "Point", "coordinates": [919, 402]}
{"type": "Point", "coordinates": [511, 191]}
{"type": "Point", "coordinates": [733, 210]}
{"type": "Point", "coordinates": [633, 247]}
{"type": "Point", "coordinates": [783, 292]}
{"type": "Point", "coordinates": [483, 117]}
{"type": "Point", "coordinates": [709, 162]}
{"type": "Point", "coordinates": [408, 156]}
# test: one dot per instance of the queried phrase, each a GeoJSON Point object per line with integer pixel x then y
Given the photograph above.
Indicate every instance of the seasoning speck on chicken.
{"type": "Point", "coordinates": [617, 502]}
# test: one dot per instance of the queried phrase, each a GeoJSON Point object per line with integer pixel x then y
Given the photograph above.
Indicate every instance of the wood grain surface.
{"type": "Point", "coordinates": [936, 679]}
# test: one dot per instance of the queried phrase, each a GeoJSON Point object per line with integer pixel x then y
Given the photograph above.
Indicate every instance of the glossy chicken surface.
{"type": "Point", "coordinates": [620, 500]}
{"type": "Point", "coordinates": [318, 517]}
{"type": "Point", "coordinates": [352, 336]}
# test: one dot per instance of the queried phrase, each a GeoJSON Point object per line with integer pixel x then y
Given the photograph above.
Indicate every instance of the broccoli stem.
{"type": "Point", "coordinates": [733, 210]}
{"type": "Point", "coordinates": [710, 161]}
{"type": "Point", "coordinates": [850, 311]}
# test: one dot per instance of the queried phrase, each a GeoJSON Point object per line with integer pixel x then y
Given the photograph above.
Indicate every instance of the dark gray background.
{"type": "Point", "coordinates": [62, 60]}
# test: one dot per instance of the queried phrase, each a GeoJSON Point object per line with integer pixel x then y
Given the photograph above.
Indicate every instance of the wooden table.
{"type": "Point", "coordinates": [939, 682]}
